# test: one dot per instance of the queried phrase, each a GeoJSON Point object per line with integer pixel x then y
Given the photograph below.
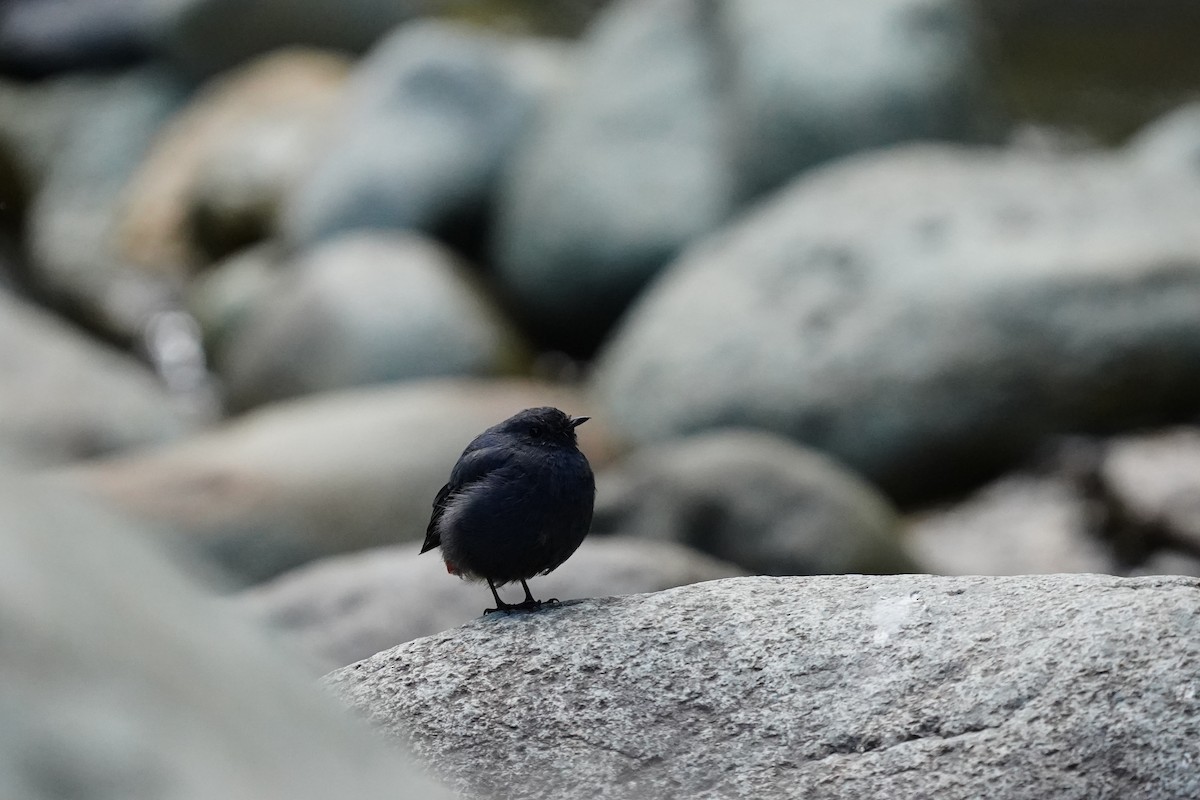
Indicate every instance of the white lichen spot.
{"type": "Point", "coordinates": [890, 615]}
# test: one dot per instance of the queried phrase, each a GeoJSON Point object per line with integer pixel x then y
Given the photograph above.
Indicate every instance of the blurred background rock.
{"type": "Point", "coordinates": [870, 286]}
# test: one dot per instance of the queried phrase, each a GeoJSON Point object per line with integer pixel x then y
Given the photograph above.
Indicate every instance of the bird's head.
{"type": "Point", "coordinates": [545, 425]}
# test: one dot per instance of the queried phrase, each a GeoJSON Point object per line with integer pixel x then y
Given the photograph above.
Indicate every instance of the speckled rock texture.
{"type": "Point", "coordinates": [1059, 686]}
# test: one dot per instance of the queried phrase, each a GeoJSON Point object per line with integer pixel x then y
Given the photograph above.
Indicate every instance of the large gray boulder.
{"type": "Point", "coordinates": [312, 477]}
{"type": "Point", "coordinates": [757, 500]}
{"type": "Point", "coordinates": [123, 679]}
{"type": "Point", "coordinates": [425, 124]}
{"type": "Point", "coordinates": [342, 609]}
{"type": "Point", "coordinates": [64, 397]}
{"type": "Point", "coordinates": [809, 81]}
{"type": "Point", "coordinates": [835, 687]}
{"type": "Point", "coordinates": [685, 109]}
{"type": "Point", "coordinates": [927, 314]}
{"type": "Point", "coordinates": [618, 174]}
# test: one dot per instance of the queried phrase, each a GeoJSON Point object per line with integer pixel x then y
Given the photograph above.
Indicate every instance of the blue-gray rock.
{"type": "Point", "coordinates": [124, 679]}
{"type": "Point", "coordinates": [617, 175]}
{"type": "Point", "coordinates": [429, 117]}
{"type": "Point", "coordinates": [38, 120]}
{"type": "Point", "coordinates": [366, 308]}
{"type": "Point", "coordinates": [1170, 143]}
{"type": "Point", "coordinates": [809, 81]}
{"type": "Point", "coordinates": [926, 315]}
{"type": "Point", "coordinates": [345, 608]}
{"type": "Point", "coordinates": [226, 296]}
{"type": "Point", "coordinates": [684, 110]}
{"type": "Point", "coordinates": [38, 38]}
{"type": "Point", "coordinates": [840, 687]}
{"type": "Point", "coordinates": [759, 501]}
{"type": "Point", "coordinates": [64, 397]}
{"type": "Point", "coordinates": [73, 236]}
{"type": "Point", "coordinates": [204, 37]}
{"type": "Point", "coordinates": [336, 472]}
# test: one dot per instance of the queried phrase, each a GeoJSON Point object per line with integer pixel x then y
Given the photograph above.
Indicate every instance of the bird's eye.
{"type": "Point", "coordinates": [535, 431]}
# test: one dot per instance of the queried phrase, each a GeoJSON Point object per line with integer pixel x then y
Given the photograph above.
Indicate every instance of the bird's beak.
{"type": "Point", "coordinates": [577, 421]}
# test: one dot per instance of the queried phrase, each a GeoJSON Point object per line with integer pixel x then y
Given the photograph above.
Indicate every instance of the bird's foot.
{"type": "Point", "coordinates": [505, 607]}
{"type": "Point", "coordinates": [526, 605]}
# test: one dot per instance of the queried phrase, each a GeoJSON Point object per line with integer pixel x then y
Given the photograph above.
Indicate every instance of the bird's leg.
{"type": "Point", "coordinates": [531, 604]}
{"type": "Point", "coordinates": [500, 604]}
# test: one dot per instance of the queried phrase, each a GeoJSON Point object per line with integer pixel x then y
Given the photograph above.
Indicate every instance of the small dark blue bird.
{"type": "Point", "coordinates": [518, 503]}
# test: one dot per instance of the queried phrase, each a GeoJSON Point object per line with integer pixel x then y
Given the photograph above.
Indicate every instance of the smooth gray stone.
{"type": "Point", "coordinates": [65, 397]}
{"type": "Point", "coordinates": [763, 502]}
{"type": "Point", "coordinates": [927, 315]}
{"type": "Point", "coordinates": [123, 679]}
{"type": "Point", "coordinates": [428, 119]}
{"type": "Point", "coordinates": [365, 308]}
{"type": "Point", "coordinates": [1018, 525]}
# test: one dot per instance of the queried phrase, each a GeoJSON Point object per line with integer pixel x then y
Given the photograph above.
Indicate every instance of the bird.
{"type": "Point", "coordinates": [518, 503]}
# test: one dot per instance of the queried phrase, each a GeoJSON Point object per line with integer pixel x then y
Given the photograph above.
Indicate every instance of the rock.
{"type": "Point", "coordinates": [338, 472]}
{"type": "Point", "coordinates": [72, 226]}
{"type": "Point", "coordinates": [836, 687]}
{"type": "Point", "coordinates": [38, 38]}
{"type": "Point", "coordinates": [771, 506]}
{"type": "Point", "coordinates": [123, 679]}
{"type": "Point", "coordinates": [927, 315]}
{"type": "Point", "coordinates": [685, 109]}
{"type": "Point", "coordinates": [225, 296]}
{"type": "Point", "coordinates": [430, 115]}
{"type": "Point", "coordinates": [204, 37]}
{"type": "Point", "coordinates": [811, 81]}
{"type": "Point", "coordinates": [1172, 142]}
{"type": "Point", "coordinates": [64, 397]}
{"type": "Point", "coordinates": [216, 175]}
{"type": "Point", "coordinates": [36, 120]}
{"type": "Point", "coordinates": [1155, 480]}
{"type": "Point", "coordinates": [1019, 525]}
{"type": "Point", "coordinates": [367, 308]}
{"type": "Point", "coordinates": [617, 175]}
{"type": "Point", "coordinates": [343, 609]}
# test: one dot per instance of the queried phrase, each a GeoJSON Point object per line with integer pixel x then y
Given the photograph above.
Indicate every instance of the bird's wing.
{"type": "Point", "coordinates": [433, 537]}
{"type": "Point", "coordinates": [472, 466]}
